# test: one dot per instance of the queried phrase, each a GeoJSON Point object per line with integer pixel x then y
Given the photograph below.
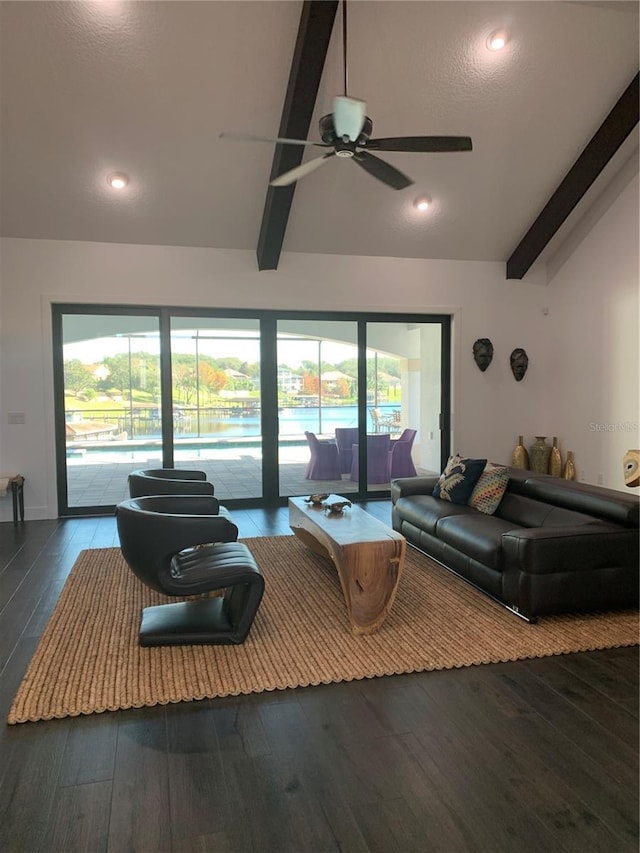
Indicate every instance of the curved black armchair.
{"type": "Point", "coordinates": [179, 545]}
{"type": "Point", "coordinates": [169, 481]}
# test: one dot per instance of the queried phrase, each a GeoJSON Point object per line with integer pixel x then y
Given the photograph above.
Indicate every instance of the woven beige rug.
{"type": "Point", "coordinates": [89, 661]}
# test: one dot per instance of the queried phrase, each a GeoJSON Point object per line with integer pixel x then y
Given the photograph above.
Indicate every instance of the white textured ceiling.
{"type": "Point", "coordinates": [146, 88]}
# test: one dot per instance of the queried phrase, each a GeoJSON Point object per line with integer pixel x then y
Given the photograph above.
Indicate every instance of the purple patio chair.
{"type": "Point", "coordinates": [400, 461]}
{"type": "Point", "coordinates": [323, 464]}
{"type": "Point", "coordinates": [346, 437]}
{"type": "Point", "coordinates": [378, 456]}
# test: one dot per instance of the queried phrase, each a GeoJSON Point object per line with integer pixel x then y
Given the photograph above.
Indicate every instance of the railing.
{"type": "Point", "coordinates": [232, 419]}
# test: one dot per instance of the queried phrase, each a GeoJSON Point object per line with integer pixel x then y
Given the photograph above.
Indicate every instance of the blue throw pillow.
{"type": "Point", "coordinates": [458, 479]}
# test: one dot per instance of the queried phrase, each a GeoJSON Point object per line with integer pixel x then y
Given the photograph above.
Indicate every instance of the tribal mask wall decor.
{"type": "Point", "coordinates": [483, 353]}
{"type": "Point", "coordinates": [519, 363]}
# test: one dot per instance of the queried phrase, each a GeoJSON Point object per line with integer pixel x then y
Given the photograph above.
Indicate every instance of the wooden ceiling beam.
{"type": "Point", "coordinates": [314, 32]}
{"type": "Point", "coordinates": [603, 145]}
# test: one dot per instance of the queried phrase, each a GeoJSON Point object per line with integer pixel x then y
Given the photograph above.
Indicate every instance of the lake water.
{"type": "Point", "coordinates": [145, 443]}
{"type": "Point", "coordinates": [293, 422]}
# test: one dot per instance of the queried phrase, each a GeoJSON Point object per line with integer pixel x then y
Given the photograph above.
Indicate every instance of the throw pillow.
{"type": "Point", "coordinates": [490, 488]}
{"type": "Point", "coordinates": [458, 479]}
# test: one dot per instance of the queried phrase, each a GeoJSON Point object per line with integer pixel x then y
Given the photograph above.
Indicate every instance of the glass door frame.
{"type": "Point", "coordinates": [268, 320]}
{"type": "Point", "coordinates": [58, 312]}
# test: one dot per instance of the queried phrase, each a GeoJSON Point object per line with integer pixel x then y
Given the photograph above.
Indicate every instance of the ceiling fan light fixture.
{"type": "Point", "coordinates": [346, 132]}
{"type": "Point", "coordinates": [118, 180]}
{"type": "Point", "coordinates": [497, 40]}
{"type": "Point", "coordinates": [422, 204]}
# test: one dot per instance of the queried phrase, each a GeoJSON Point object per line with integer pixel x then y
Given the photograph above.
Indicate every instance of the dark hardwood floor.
{"type": "Point", "coordinates": [537, 755]}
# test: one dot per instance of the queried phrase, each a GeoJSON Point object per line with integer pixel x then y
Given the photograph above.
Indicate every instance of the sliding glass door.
{"type": "Point", "coordinates": [406, 395]}
{"type": "Point", "coordinates": [269, 405]}
{"type": "Point", "coordinates": [354, 436]}
{"type": "Point", "coordinates": [317, 405]}
{"type": "Point", "coordinates": [108, 405]}
{"type": "Point", "coordinates": [217, 412]}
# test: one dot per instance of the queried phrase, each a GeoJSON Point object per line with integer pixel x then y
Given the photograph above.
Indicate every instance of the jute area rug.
{"type": "Point", "coordinates": [89, 660]}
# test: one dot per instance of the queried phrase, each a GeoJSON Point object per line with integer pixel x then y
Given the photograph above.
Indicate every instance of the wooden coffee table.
{"type": "Point", "coordinates": [368, 555]}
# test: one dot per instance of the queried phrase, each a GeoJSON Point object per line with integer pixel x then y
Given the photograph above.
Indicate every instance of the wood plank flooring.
{"type": "Point", "coordinates": [538, 755]}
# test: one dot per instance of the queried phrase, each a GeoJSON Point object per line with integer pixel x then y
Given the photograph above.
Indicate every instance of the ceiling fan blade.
{"type": "Point", "coordinates": [294, 175]}
{"type": "Point", "coordinates": [426, 144]}
{"type": "Point", "coordinates": [348, 116]}
{"type": "Point", "coordinates": [382, 171]}
{"type": "Point", "coordinates": [249, 137]}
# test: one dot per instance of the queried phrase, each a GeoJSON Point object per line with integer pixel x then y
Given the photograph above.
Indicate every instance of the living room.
{"type": "Point", "coordinates": [580, 330]}
{"type": "Point", "coordinates": [575, 312]}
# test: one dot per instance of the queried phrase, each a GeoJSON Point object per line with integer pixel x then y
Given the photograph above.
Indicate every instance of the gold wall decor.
{"type": "Point", "coordinates": [569, 470]}
{"type": "Point", "coordinates": [631, 464]}
{"type": "Point", "coordinates": [520, 457]}
{"type": "Point", "coordinates": [555, 459]}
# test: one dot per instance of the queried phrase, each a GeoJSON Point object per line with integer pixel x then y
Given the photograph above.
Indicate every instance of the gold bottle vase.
{"type": "Point", "coordinates": [539, 454]}
{"type": "Point", "coordinates": [555, 460]}
{"type": "Point", "coordinates": [520, 457]}
{"type": "Point", "coordinates": [569, 471]}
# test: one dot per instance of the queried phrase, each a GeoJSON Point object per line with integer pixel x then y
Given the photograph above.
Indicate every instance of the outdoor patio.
{"type": "Point", "coordinates": [236, 473]}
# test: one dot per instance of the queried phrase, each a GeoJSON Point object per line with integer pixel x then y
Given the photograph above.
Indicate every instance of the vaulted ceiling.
{"type": "Point", "coordinates": [146, 88]}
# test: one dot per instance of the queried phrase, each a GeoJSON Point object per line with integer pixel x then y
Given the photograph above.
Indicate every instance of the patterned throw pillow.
{"type": "Point", "coordinates": [458, 479]}
{"type": "Point", "coordinates": [490, 488]}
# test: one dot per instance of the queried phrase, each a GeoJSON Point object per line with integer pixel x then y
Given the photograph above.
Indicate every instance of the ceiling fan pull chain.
{"type": "Point", "coordinates": [344, 43]}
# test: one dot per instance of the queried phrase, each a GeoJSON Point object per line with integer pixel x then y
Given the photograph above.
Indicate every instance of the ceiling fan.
{"type": "Point", "coordinates": [347, 131]}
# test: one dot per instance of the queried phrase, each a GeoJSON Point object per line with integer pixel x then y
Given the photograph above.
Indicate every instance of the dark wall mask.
{"type": "Point", "coordinates": [483, 353]}
{"type": "Point", "coordinates": [519, 363]}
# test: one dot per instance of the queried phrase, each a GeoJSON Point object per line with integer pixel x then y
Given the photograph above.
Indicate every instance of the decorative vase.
{"type": "Point", "coordinates": [555, 459]}
{"type": "Point", "coordinates": [569, 472]}
{"type": "Point", "coordinates": [539, 453]}
{"type": "Point", "coordinates": [520, 457]}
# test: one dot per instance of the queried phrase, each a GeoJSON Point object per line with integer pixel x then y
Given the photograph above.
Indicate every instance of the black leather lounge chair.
{"type": "Point", "coordinates": [169, 481]}
{"type": "Point", "coordinates": [181, 546]}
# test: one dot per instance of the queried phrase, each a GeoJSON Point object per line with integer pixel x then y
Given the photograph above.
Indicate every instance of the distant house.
{"type": "Point", "coordinates": [242, 380]}
{"type": "Point", "coordinates": [333, 379]}
{"type": "Point", "coordinates": [289, 382]}
{"type": "Point", "coordinates": [235, 374]}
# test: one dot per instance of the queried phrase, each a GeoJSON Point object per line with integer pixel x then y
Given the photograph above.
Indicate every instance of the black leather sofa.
{"type": "Point", "coordinates": [552, 546]}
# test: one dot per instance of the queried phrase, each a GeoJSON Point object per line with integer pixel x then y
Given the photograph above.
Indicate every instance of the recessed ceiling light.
{"type": "Point", "coordinates": [118, 180]}
{"type": "Point", "coordinates": [423, 203]}
{"type": "Point", "coordinates": [497, 40]}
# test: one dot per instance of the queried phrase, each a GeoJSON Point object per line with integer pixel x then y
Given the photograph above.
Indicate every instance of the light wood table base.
{"type": "Point", "coordinates": [368, 555]}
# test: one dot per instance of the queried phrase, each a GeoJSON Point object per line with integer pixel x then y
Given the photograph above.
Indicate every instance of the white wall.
{"type": "Point", "coordinates": [490, 409]}
{"type": "Point", "coordinates": [592, 330]}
